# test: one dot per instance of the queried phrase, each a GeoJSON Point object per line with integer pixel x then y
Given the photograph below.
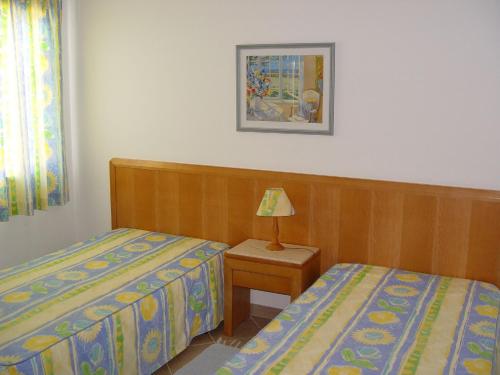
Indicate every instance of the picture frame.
{"type": "Point", "coordinates": [285, 88]}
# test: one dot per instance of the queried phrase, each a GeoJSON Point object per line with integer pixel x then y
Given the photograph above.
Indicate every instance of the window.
{"type": "Point", "coordinates": [285, 74]}
{"type": "Point", "coordinates": [32, 165]}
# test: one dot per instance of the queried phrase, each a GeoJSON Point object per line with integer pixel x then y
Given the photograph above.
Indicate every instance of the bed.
{"type": "Point", "coordinates": [359, 319]}
{"type": "Point", "coordinates": [126, 301]}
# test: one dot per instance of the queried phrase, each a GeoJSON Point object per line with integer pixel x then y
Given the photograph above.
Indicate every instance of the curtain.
{"type": "Point", "coordinates": [32, 165]}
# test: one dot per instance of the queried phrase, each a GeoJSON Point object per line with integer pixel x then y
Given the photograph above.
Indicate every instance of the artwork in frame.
{"type": "Point", "coordinates": [285, 88]}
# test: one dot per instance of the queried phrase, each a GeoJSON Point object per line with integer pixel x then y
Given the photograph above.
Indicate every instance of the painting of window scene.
{"type": "Point", "coordinates": [284, 88]}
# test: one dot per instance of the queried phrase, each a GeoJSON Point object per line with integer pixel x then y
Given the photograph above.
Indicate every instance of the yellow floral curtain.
{"type": "Point", "coordinates": [32, 165]}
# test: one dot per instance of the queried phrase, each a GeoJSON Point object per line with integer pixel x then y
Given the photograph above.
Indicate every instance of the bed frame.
{"type": "Point", "coordinates": [442, 230]}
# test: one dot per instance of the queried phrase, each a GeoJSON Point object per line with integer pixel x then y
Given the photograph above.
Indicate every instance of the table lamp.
{"type": "Point", "coordinates": [275, 203]}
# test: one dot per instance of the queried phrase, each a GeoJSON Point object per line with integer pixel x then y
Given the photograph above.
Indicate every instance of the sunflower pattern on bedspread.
{"type": "Point", "coordinates": [124, 302]}
{"type": "Point", "coordinates": [359, 319]}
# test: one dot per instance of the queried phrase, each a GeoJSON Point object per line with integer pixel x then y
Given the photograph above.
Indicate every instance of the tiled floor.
{"type": "Point", "coordinates": [242, 334]}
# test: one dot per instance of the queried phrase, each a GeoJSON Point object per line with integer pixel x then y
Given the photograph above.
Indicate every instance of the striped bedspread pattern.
{"type": "Point", "coordinates": [359, 319]}
{"type": "Point", "coordinates": [124, 302]}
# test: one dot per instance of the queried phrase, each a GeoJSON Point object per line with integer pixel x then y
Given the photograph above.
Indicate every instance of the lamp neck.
{"type": "Point", "coordinates": [275, 243]}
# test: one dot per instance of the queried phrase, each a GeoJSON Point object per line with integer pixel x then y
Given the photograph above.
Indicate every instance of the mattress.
{"type": "Point", "coordinates": [358, 319]}
{"type": "Point", "coordinates": [124, 302]}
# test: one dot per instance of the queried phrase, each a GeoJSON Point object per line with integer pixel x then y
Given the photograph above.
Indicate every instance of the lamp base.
{"type": "Point", "coordinates": [274, 246]}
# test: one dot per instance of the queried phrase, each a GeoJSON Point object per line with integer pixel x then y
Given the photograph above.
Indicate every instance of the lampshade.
{"type": "Point", "coordinates": [275, 203]}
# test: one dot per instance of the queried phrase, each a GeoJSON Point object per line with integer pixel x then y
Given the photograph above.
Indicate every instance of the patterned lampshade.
{"type": "Point", "coordinates": [275, 203]}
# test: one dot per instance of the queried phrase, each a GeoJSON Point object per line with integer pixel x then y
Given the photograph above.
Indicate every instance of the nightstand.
{"type": "Point", "coordinates": [250, 265]}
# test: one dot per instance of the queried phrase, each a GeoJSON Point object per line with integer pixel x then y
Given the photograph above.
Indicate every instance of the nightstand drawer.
{"type": "Point", "coordinates": [268, 283]}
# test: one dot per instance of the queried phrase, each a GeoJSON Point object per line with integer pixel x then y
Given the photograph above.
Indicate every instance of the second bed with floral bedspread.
{"type": "Point", "coordinates": [359, 319]}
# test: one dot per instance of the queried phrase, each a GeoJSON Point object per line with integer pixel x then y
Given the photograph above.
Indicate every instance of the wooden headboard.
{"type": "Point", "coordinates": [435, 229]}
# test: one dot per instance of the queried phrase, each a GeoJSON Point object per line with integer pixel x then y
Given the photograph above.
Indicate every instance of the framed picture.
{"type": "Point", "coordinates": [285, 88]}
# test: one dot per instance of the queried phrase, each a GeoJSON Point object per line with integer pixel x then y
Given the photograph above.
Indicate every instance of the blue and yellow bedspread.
{"type": "Point", "coordinates": [124, 302]}
{"type": "Point", "coordinates": [360, 319]}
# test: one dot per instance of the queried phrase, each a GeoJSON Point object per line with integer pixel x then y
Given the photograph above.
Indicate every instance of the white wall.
{"type": "Point", "coordinates": [27, 237]}
{"type": "Point", "coordinates": [417, 89]}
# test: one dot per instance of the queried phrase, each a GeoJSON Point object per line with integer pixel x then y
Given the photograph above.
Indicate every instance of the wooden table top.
{"type": "Point", "coordinates": [295, 255]}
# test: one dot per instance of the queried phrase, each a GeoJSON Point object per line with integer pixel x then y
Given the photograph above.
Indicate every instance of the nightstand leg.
{"type": "Point", "coordinates": [296, 290]}
{"type": "Point", "coordinates": [236, 303]}
{"type": "Point", "coordinates": [241, 306]}
{"type": "Point", "coordinates": [296, 285]}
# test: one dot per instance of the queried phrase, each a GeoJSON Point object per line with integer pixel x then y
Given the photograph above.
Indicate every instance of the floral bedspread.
{"type": "Point", "coordinates": [358, 319]}
{"type": "Point", "coordinates": [124, 302]}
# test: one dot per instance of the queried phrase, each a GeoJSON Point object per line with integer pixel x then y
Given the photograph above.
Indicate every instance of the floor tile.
{"type": "Point", "coordinates": [260, 322]}
{"type": "Point", "coordinates": [165, 370]}
{"type": "Point", "coordinates": [202, 339]}
{"type": "Point", "coordinates": [264, 311]}
{"type": "Point", "coordinates": [218, 332]}
{"type": "Point", "coordinates": [246, 329]}
{"type": "Point", "coordinates": [186, 356]}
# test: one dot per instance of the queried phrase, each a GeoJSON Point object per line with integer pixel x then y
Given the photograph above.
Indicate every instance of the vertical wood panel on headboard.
{"type": "Point", "coordinates": [435, 229]}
